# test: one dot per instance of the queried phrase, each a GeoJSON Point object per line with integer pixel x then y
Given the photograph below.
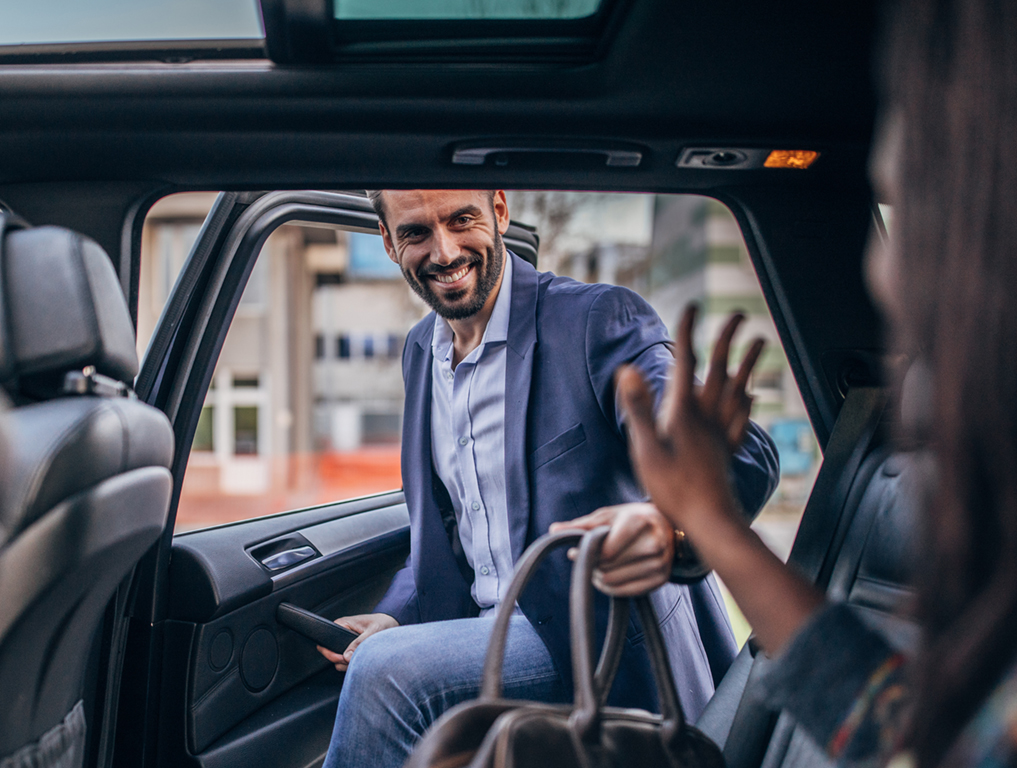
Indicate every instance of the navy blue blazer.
{"type": "Point", "coordinates": [565, 456]}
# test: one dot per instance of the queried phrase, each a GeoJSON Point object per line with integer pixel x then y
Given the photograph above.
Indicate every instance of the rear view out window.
{"type": "Point", "coordinates": [464, 9]}
{"type": "Point", "coordinates": [305, 406]}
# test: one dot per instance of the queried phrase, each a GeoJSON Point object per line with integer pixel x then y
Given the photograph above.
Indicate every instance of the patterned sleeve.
{"type": "Point", "coordinates": [843, 683]}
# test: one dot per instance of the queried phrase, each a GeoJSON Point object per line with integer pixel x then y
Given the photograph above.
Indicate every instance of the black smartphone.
{"type": "Point", "coordinates": [325, 633]}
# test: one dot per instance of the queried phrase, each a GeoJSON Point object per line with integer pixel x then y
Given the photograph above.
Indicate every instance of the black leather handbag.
{"type": "Point", "coordinates": [493, 732]}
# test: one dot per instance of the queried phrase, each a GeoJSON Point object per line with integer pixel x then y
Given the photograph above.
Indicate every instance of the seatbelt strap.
{"type": "Point", "coordinates": [849, 443]}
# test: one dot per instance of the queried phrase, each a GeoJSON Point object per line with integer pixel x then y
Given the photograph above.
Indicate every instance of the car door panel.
{"type": "Point", "coordinates": [244, 670]}
{"type": "Point", "coordinates": [293, 729]}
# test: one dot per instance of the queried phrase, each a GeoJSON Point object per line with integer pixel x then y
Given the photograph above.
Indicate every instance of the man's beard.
{"type": "Point", "coordinates": [460, 304]}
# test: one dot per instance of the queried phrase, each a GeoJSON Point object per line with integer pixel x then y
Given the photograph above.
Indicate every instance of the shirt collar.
{"type": "Point", "coordinates": [497, 324]}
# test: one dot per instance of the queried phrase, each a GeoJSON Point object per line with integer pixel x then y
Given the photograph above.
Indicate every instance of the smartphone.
{"type": "Point", "coordinates": [325, 633]}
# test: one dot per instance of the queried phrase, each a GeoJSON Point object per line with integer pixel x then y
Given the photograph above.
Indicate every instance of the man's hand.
{"type": "Point", "coordinates": [637, 553]}
{"type": "Point", "coordinates": [364, 625]}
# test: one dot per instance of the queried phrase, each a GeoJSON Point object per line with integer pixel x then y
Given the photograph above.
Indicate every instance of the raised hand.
{"type": "Point", "coordinates": [682, 456]}
{"type": "Point", "coordinates": [682, 459]}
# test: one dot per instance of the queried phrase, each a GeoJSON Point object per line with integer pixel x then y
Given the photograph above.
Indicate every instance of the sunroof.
{"type": "Point", "coordinates": [464, 9]}
{"type": "Point", "coordinates": [98, 21]}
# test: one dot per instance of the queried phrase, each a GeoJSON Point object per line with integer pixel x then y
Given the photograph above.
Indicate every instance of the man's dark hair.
{"type": "Point", "coordinates": [374, 195]}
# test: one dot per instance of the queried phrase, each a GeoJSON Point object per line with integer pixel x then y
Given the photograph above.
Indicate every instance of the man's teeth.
{"type": "Point", "coordinates": [453, 277]}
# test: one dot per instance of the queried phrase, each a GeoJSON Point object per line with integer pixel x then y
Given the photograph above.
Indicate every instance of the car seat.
{"type": "Point", "coordinates": [869, 566]}
{"type": "Point", "coordinates": [86, 485]}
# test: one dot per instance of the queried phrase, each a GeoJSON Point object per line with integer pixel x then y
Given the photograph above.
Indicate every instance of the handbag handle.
{"type": "Point", "coordinates": [588, 699]}
{"type": "Point", "coordinates": [491, 687]}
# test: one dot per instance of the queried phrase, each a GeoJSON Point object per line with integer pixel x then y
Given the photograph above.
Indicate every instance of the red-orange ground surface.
{"type": "Point", "coordinates": [294, 482]}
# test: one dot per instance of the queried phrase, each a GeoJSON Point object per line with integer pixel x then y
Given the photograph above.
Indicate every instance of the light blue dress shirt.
{"type": "Point", "coordinates": [468, 445]}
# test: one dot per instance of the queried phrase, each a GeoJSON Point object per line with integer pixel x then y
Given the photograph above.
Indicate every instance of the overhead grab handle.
{"type": "Point", "coordinates": [615, 156]}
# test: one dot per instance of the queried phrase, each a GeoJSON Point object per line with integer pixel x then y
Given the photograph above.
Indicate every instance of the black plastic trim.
{"type": "Point", "coordinates": [167, 51]}
{"type": "Point", "coordinates": [291, 729]}
{"type": "Point", "coordinates": [307, 32]}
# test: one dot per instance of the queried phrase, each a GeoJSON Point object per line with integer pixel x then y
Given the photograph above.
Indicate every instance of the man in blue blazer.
{"type": "Point", "coordinates": [510, 425]}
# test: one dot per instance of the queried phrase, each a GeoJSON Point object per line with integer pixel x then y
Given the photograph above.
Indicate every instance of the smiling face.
{"type": "Point", "coordinates": [448, 245]}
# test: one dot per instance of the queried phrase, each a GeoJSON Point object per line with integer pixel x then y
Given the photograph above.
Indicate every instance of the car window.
{"type": "Point", "coordinates": [305, 406]}
{"type": "Point", "coordinates": [672, 249]}
{"type": "Point", "coordinates": [100, 21]}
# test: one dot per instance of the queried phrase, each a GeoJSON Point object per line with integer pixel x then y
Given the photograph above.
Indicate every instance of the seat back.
{"type": "Point", "coordinates": [872, 572]}
{"type": "Point", "coordinates": [87, 484]}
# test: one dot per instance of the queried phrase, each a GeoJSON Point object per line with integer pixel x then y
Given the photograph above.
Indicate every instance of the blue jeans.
{"type": "Point", "coordinates": [402, 679]}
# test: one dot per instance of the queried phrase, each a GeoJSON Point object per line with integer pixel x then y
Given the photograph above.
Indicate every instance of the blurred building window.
{"type": "Point", "coordinates": [343, 347]}
{"type": "Point", "coordinates": [245, 430]}
{"type": "Point", "coordinates": [245, 382]}
{"type": "Point", "coordinates": [369, 260]}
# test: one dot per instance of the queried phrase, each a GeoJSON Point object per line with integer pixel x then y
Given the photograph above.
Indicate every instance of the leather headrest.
{"type": "Point", "coordinates": [62, 309]}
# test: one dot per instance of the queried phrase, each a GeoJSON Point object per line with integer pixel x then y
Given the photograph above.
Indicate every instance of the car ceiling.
{"type": "Point", "coordinates": [670, 74]}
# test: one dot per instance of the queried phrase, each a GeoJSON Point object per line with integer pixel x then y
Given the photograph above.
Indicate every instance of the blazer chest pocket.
{"type": "Point", "coordinates": [556, 446]}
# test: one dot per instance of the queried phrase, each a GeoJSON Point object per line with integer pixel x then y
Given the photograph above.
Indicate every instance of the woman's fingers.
{"type": "Point", "coordinates": [736, 428]}
{"type": "Point", "coordinates": [741, 379]}
{"type": "Point", "coordinates": [685, 357]}
{"type": "Point", "coordinates": [682, 382]}
{"type": "Point", "coordinates": [639, 418]}
{"type": "Point", "coordinates": [736, 405]}
{"type": "Point", "coordinates": [716, 377]}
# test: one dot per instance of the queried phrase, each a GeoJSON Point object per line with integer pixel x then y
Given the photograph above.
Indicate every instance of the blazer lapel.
{"type": "Point", "coordinates": [522, 342]}
{"type": "Point", "coordinates": [416, 453]}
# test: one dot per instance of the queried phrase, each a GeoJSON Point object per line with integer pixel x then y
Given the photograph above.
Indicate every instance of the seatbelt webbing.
{"type": "Point", "coordinates": [849, 443]}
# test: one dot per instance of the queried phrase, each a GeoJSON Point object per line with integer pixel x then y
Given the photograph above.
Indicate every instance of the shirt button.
{"type": "Point", "coordinates": [463, 441]}
{"type": "Point", "coordinates": [484, 570]}
{"type": "Point", "coordinates": [476, 505]}
{"type": "Point", "coordinates": [450, 375]}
